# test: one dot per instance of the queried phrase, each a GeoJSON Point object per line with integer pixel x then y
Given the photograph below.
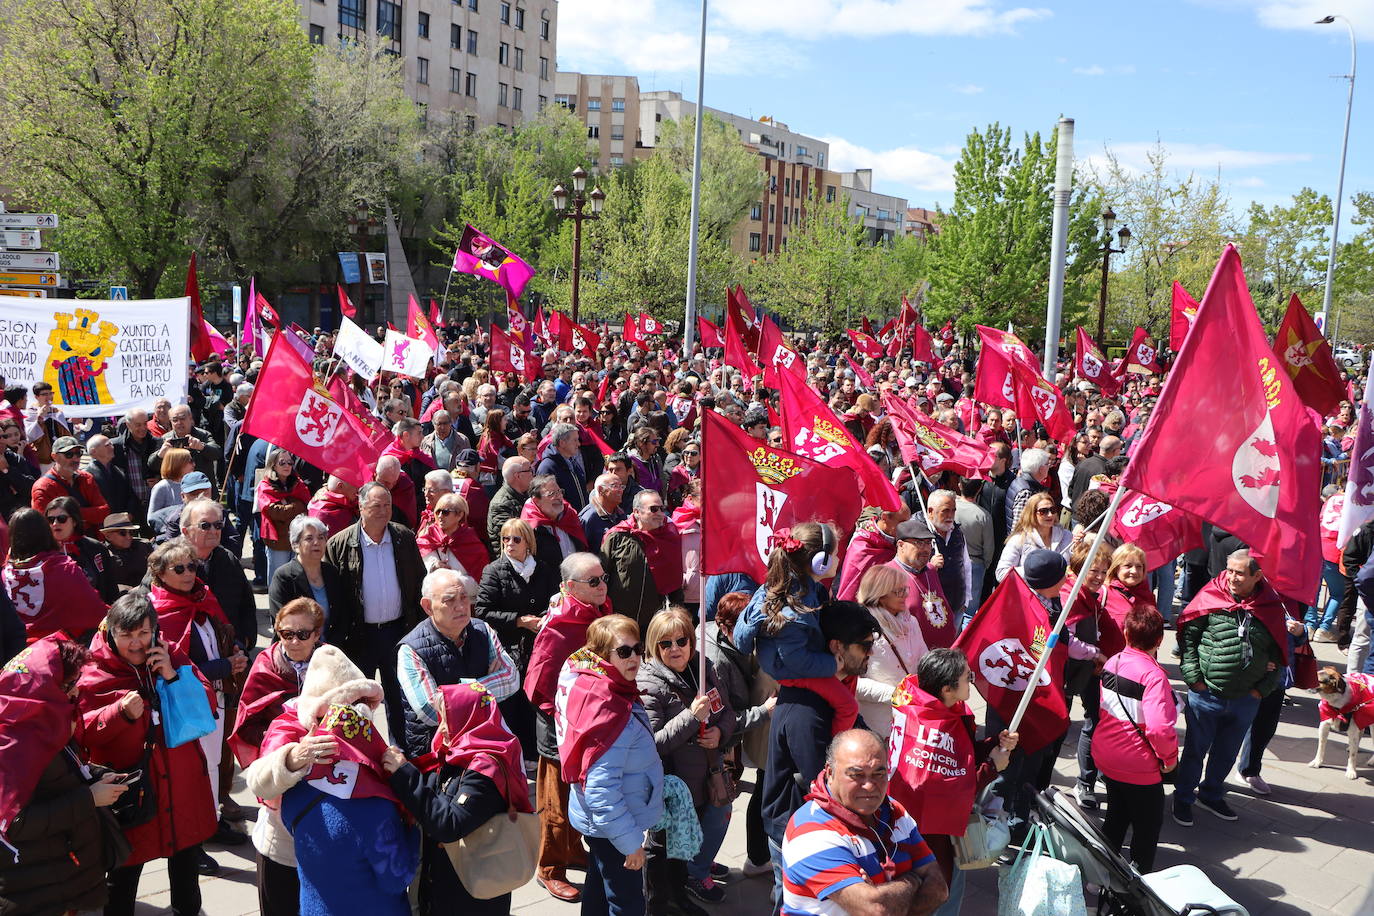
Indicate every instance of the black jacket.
{"type": "Point", "coordinates": [114, 486]}
{"type": "Point", "coordinates": [99, 566]}
{"type": "Point", "coordinates": [290, 582]}
{"type": "Point", "coordinates": [796, 755]}
{"type": "Point", "coordinates": [504, 596]}
{"type": "Point", "coordinates": [344, 552]}
{"type": "Point", "coordinates": [208, 460]}
{"type": "Point", "coordinates": [142, 450]}
{"type": "Point", "coordinates": [505, 505]}
{"type": "Point", "coordinates": [224, 574]}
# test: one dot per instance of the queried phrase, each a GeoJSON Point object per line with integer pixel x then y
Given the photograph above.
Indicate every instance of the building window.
{"type": "Point", "coordinates": [520, 58]}
{"type": "Point", "coordinates": [455, 79]}
{"type": "Point", "coordinates": [389, 19]}
{"type": "Point", "coordinates": [830, 193]}
{"type": "Point", "coordinates": [543, 68]}
{"type": "Point", "coordinates": [770, 242]}
{"type": "Point", "coordinates": [820, 160]}
{"type": "Point", "coordinates": [883, 214]}
{"type": "Point", "coordinates": [617, 132]}
{"type": "Point", "coordinates": [785, 220]}
{"type": "Point", "coordinates": [517, 99]}
{"type": "Point", "coordinates": [755, 241]}
{"type": "Point", "coordinates": [773, 183]}
{"type": "Point", "coordinates": [593, 132]}
{"type": "Point", "coordinates": [801, 150]}
{"type": "Point", "coordinates": [472, 42]}
{"type": "Point", "coordinates": [520, 18]}
{"type": "Point", "coordinates": [502, 95]}
{"type": "Point", "coordinates": [563, 101]}
{"type": "Point", "coordinates": [353, 14]}
{"type": "Point", "coordinates": [422, 70]}
{"type": "Point", "coordinates": [470, 85]}
{"type": "Point", "coordinates": [593, 104]}
{"type": "Point", "coordinates": [543, 102]}
{"type": "Point", "coordinates": [617, 104]}
{"type": "Point", "coordinates": [544, 27]}
{"type": "Point", "coordinates": [617, 161]}
{"type": "Point", "coordinates": [787, 187]}
{"type": "Point", "coordinates": [472, 5]}
{"type": "Point", "coordinates": [470, 122]}
{"type": "Point", "coordinates": [455, 37]}
{"type": "Point", "coordinates": [772, 212]}
{"type": "Point", "coordinates": [317, 34]}
{"type": "Point", "coordinates": [503, 54]}
{"type": "Point", "coordinates": [505, 14]}
{"type": "Point", "coordinates": [756, 211]}
{"type": "Point", "coordinates": [796, 215]}
{"type": "Point", "coordinates": [423, 25]}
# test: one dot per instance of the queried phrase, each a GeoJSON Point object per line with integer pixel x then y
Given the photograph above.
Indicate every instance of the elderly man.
{"type": "Point", "coordinates": [562, 460]}
{"type": "Point", "coordinates": [925, 598]}
{"type": "Point", "coordinates": [165, 523]}
{"type": "Point", "coordinates": [517, 474]}
{"type": "Point", "coordinates": [1034, 478]}
{"type": "Point", "coordinates": [1107, 448]}
{"type": "Point", "coordinates": [134, 448]}
{"type": "Point", "coordinates": [828, 859]}
{"type": "Point", "coordinates": [557, 531]}
{"type": "Point", "coordinates": [63, 479]}
{"type": "Point", "coordinates": [951, 551]}
{"type": "Point", "coordinates": [205, 452]}
{"type": "Point", "coordinates": [1233, 637]}
{"type": "Point", "coordinates": [130, 551]}
{"type": "Point", "coordinates": [448, 647]}
{"type": "Point", "coordinates": [445, 443]}
{"type": "Point", "coordinates": [405, 508]}
{"type": "Point", "coordinates": [643, 556]}
{"type": "Point", "coordinates": [583, 599]}
{"type": "Point", "coordinates": [110, 477]}
{"type": "Point", "coordinates": [381, 569]}
{"type": "Point", "coordinates": [237, 409]}
{"type": "Point", "coordinates": [415, 461]}
{"type": "Point", "coordinates": [335, 504]}
{"type": "Point", "coordinates": [873, 544]}
{"type": "Point", "coordinates": [603, 510]}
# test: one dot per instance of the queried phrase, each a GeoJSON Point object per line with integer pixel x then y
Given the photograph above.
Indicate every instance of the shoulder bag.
{"type": "Point", "coordinates": [497, 857]}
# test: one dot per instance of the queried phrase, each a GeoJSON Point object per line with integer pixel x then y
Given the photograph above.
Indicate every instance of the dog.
{"type": "Point", "coordinates": [1343, 697]}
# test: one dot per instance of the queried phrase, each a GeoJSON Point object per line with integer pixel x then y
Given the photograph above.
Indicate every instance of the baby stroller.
{"type": "Point", "coordinates": [1183, 890]}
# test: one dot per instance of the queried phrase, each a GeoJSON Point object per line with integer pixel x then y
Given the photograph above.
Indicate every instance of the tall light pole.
{"type": "Point", "coordinates": [1340, 181]}
{"type": "Point", "coordinates": [577, 214]}
{"type": "Point", "coordinates": [1059, 230]}
{"type": "Point", "coordinates": [1108, 221]}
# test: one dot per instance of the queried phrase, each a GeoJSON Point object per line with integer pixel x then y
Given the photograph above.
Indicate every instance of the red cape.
{"type": "Point", "coordinates": [463, 543]}
{"type": "Point", "coordinates": [564, 632]}
{"type": "Point", "coordinates": [360, 751]}
{"type": "Point", "coordinates": [52, 594]}
{"type": "Point", "coordinates": [176, 613]}
{"type": "Point", "coordinates": [271, 682]}
{"type": "Point", "coordinates": [1120, 601]}
{"type": "Point", "coordinates": [35, 723]}
{"type": "Point", "coordinates": [404, 454]}
{"type": "Point", "coordinates": [597, 709]}
{"type": "Point", "coordinates": [531, 515]}
{"type": "Point", "coordinates": [474, 736]}
{"type": "Point", "coordinates": [1263, 602]}
{"type": "Point", "coordinates": [936, 775]}
{"type": "Point", "coordinates": [336, 510]}
{"type": "Point", "coordinates": [662, 549]}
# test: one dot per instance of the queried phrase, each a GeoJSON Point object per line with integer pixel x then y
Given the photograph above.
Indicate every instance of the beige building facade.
{"type": "Point", "coordinates": [609, 106]}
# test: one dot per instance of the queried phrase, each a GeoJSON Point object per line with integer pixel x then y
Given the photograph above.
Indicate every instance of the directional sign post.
{"type": "Point", "coordinates": [30, 260]}
{"type": "Point", "coordinates": [28, 220]}
{"type": "Point", "coordinates": [20, 238]}
{"type": "Point", "coordinates": [27, 279]}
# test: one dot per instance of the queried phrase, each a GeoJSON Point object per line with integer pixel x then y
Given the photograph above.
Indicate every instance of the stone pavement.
{"type": "Point", "coordinates": [1306, 850]}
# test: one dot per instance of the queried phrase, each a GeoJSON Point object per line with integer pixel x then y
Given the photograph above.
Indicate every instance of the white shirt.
{"type": "Point", "coordinates": [381, 591]}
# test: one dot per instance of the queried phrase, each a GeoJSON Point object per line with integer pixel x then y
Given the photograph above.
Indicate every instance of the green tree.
{"type": "Point", "coordinates": [1352, 300]}
{"type": "Point", "coordinates": [817, 280]}
{"type": "Point", "coordinates": [120, 114]}
{"type": "Point", "coordinates": [1285, 252]}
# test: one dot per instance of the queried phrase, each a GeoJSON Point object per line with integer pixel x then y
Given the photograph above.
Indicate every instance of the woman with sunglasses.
{"type": "Point", "coordinates": [610, 761]}
{"type": "Point", "coordinates": [693, 725]}
{"type": "Point", "coordinates": [17, 473]}
{"type": "Point", "coordinates": [48, 589]}
{"type": "Point", "coordinates": [94, 558]}
{"type": "Point", "coordinates": [280, 497]}
{"type": "Point", "coordinates": [1037, 528]}
{"type": "Point", "coordinates": [274, 679]}
{"type": "Point", "coordinates": [449, 542]}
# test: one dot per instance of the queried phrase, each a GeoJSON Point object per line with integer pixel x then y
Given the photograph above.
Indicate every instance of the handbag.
{"type": "Point", "coordinates": [721, 786]}
{"type": "Point", "coordinates": [1304, 667]}
{"type": "Point", "coordinates": [185, 709]}
{"type": "Point", "coordinates": [138, 804]}
{"type": "Point", "coordinates": [985, 837]}
{"type": "Point", "coordinates": [1039, 884]}
{"type": "Point", "coordinates": [497, 857]}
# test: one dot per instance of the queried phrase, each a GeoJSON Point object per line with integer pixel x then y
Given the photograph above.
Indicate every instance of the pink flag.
{"type": "Point", "coordinates": [1307, 358]}
{"type": "Point", "coordinates": [1182, 314]}
{"type": "Point", "coordinates": [218, 344]}
{"type": "Point", "coordinates": [1156, 527]}
{"type": "Point", "coordinates": [480, 256]}
{"type": "Point", "coordinates": [1229, 439]}
{"type": "Point", "coordinates": [862, 375]}
{"type": "Point", "coordinates": [418, 325]}
{"type": "Point", "coordinates": [994, 383]}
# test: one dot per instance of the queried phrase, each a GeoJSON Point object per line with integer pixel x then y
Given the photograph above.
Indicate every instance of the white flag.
{"type": "Point", "coordinates": [361, 352]}
{"type": "Point", "coordinates": [405, 355]}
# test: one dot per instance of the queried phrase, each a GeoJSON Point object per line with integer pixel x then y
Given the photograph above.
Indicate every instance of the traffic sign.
{"type": "Point", "coordinates": [24, 293]}
{"type": "Point", "coordinates": [20, 238]}
{"type": "Point", "coordinates": [119, 293]}
{"type": "Point", "coordinates": [27, 279]}
{"type": "Point", "coordinates": [30, 260]}
{"type": "Point", "coordinates": [28, 220]}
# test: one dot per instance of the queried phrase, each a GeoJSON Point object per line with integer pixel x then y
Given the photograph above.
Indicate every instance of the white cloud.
{"type": "Point", "coordinates": [1303, 14]}
{"type": "Point", "coordinates": [1094, 70]}
{"type": "Point", "coordinates": [967, 89]}
{"type": "Point", "coordinates": [808, 19]}
{"type": "Point", "coordinates": [1099, 70]}
{"type": "Point", "coordinates": [905, 170]}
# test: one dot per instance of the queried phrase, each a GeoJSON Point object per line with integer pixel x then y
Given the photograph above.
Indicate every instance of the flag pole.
{"type": "Point", "coordinates": [443, 309]}
{"type": "Point", "coordinates": [701, 612]}
{"type": "Point", "coordinates": [1044, 659]}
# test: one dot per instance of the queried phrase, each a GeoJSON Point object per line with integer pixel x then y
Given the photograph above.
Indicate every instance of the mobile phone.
{"type": "Point", "coordinates": [124, 779]}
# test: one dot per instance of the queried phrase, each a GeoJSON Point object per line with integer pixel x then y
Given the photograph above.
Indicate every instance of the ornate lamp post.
{"type": "Point", "coordinates": [1124, 235]}
{"type": "Point", "coordinates": [577, 214]}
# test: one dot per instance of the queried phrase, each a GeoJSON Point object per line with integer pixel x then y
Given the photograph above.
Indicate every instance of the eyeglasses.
{"type": "Point", "coordinates": [512, 538]}
{"type": "Point", "coordinates": [206, 526]}
{"type": "Point", "coordinates": [691, 454]}
{"type": "Point", "coordinates": [447, 512]}
{"type": "Point", "coordinates": [681, 642]}
{"type": "Point", "coordinates": [296, 635]}
{"type": "Point", "coordinates": [653, 510]}
{"type": "Point", "coordinates": [624, 652]}
{"type": "Point", "coordinates": [59, 519]}
{"type": "Point", "coordinates": [179, 568]}
{"type": "Point", "coordinates": [594, 581]}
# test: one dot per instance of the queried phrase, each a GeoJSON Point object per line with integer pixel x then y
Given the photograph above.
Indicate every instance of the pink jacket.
{"type": "Point", "coordinates": [1135, 687]}
{"type": "Point", "coordinates": [868, 548]}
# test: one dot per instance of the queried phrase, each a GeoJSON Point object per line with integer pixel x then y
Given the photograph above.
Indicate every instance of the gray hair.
{"type": "Point", "coordinates": [1108, 444]}
{"type": "Point", "coordinates": [575, 564]}
{"type": "Point", "coordinates": [1244, 554]}
{"type": "Point", "coordinates": [1034, 460]}
{"type": "Point", "coordinates": [538, 484]}
{"type": "Point", "coordinates": [641, 496]}
{"type": "Point", "coordinates": [300, 523]}
{"type": "Point", "coordinates": [366, 489]}
{"type": "Point", "coordinates": [440, 480]}
{"type": "Point", "coordinates": [437, 580]}
{"type": "Point", "coordinates": [129, 611]}
{"type": "Point", "coordinates": [560, 431]}
{"type": "Point", "coordinates": [605, 481]}
{"type": "Point", "coordinates": [388, 461]}
{"type": "Point", "coordinates": [941, 494]}
{"type": "Point", "coordinates": [245, 388]}
{"type": "Point", "coordinates": [511, 467]}
{"type": "Point", "coordinates": [196, 505]}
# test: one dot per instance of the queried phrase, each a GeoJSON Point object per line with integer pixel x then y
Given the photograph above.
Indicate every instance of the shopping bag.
{"type": "Point", "coordinates": [184, 707]}
{"type": "Point", "coordinates": [988, 833]}
{"type": "Point", "coordinates": [1037, 884]}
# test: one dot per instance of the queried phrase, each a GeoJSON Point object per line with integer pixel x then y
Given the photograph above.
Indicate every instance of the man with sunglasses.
{"type": "Point", "coordinates": [603, 510]}
{"type": "Point", "coordinates": [644, 560]}
{"type": "Point", "coordinates": [62, 478]}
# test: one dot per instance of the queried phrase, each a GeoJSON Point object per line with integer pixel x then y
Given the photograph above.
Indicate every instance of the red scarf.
{"type": "Point", "coordinates": [176, 613]}
{"type": "Point", "coordinates": [271, 682]}
{"type": "Point", "coordinates": [662, 548]}
{"type": "Point", "coordinates": [404, 454]}
{"type": "Point", "coordinates": [564, 631]}
{"type": "Point", "coordinates": [35, 724]}
{"type": "Point", "coordinates": [533, 516]}
{"type": "Point", "coordinates": [936, 777]}
{"type": "Point", "coordinates": [463, 543]}
{"type": "Point", "coordinates": [52, 594]}
{"type": "Point", "coordinates": [1120, 602]}
{"type": "Point", "coordinates": [357, 772]}
{"type": "Point", "coordinates": [1264, 603]}
{"type": "Point", "coordinates": [687, 516]}
{"type": "Point", "coordinates": [597, 709]}
{"type": "Point", "coordinates": [474, 736]}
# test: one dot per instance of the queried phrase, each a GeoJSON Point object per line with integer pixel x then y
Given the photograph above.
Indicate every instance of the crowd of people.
{"type": "Point", "coordinates": [509, 618]}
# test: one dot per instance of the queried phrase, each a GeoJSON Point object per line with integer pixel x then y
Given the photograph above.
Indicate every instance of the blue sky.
{"type": "Point", "coordinates": [896, 85]}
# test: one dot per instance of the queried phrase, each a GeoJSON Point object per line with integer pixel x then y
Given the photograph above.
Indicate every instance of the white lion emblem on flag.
{"type": "Point", "coordinates": [1009, 665]}
{"type": "Point", "coordinates": [317, 419]}
{"type": "Point", "coordinates": [767, 510]}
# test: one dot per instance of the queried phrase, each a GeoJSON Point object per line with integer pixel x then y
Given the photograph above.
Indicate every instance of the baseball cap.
{"type": "Point", "coordinates": [467, 458]}
{"type": "Point", "coordinates": [194, 482]}
{"type": "Point", "coordinates": [65, 444]}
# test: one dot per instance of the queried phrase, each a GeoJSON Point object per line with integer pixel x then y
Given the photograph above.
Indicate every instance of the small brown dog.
{"type": "Point", "coordinates": [1350, 697]}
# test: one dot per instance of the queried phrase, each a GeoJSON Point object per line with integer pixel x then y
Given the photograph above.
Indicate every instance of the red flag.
{"type": "Point", "coordinates": [436, 315]}
{"type": "Point", "coordinates": [947, 332]}
{"type": "Point", "coordinates": [1230, 440]}
{"type": "Point", "coordinates": [373, 430]}
{"type": "Point", "coordinates": [923, 347]}
{"type": "Point", "coordinates": [292, 410]}
{"type": "Point", "coordinates": [603, 388]}
{"type": "Point", "coordinates": [1305, 354]}
{"type": "Point", "coordinates": [736, 347]}
{"type": "Point", "coordinates": [630, 331]}
{"type": "Point", "coordinates": [346, 304]}
{"type": "Point", "coordinates": [1142, 356]}
{"type": "Point", "coordinates": [709, 333]}
{"type": "Point", "coordinates": [861, 375]}
{"type": "Point", "coordinates": [865, 344]}
{"type": "Point", "coordinates": [866, 326]}
{"type": "Point", "coordinates": [1090, 364]}
{"type": "Point", "coordinates": [517, 325]}
{"type": "Point", "coordinates": [932, 445]}
{"type": "Point", "coordinates": [776, 354]}
{"type": "Point", "coordinates": [561, 331]}
{"type": "Point", "coordinates": [1157, 528]}
{"type": "Point", "coordinates": [1181, 317]}
{"type": "Point", "coordinates": [418, 325]}
{"type": "Point", "coordinates": [1004, 642]}
{"type": "Point", "coordinates": [508, 354]}
{"type": "Point", "coordinates": [1036, 397]}
{"type": "Point", "coordinates": [582, 339]}
{"type": "Point", "coordinates": [541, 327]}
{"type": "Point", "coordinates": [739, 309]}
{"type": "Point", "coordinates": [812, 430]}
{"type": "Point", "coordinates": [202, 346]}
{"type": "Point", "coordinates": [757, 493]}
{"type": "Point", "coordinates": [648, 324]}
{"type": "Point", "coordinates": [994, 383]}
{"type": "Point", "coordinates": [885, 332]}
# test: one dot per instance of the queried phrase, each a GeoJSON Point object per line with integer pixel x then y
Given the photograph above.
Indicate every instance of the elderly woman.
{"type": "Point", "coordinates": [472, 774]}
{"type": "Point", "coordinates": [309, 575]}
{"type": "Point", "coordinates": [176, 464]}
{"type": "Point", "coordinates": [1036, 528]}
{"type": "Point", "coordinates": [607, 748]}
{"type": "Point", "coordinates": [515, 591]}
{"type": "Point", "coordinates": [94, 558]}
{"type": "Point", "coordinates": [449, 542]}
{"type": "Point", "coordinates": [898, 649]}
{"type": "Point", "coordinates": [280, 497]}
{"type": "Point", "coordinates": [690, 737]}
{"type": "Point", "coordinates": [437, 483]}
{"type": "Point", "coordinates": [55, 809]}
{"type": "Point", "coordinates": [49, 590]}
{"type": "Point", "coordinates": [117, 700]}
{"type": "Point", "coordinates": [274, 680]}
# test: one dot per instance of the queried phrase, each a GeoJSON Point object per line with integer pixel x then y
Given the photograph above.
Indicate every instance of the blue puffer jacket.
{"type": "Point", "coordinates": [795, 651]}
{"type": "Point", "coordinates": [622, 795]}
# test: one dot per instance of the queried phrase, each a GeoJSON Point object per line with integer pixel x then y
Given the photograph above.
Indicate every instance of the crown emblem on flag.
{"type": "Point", "coordinates": [930, 437]}
{"type": "Point", "coordinates": [1037, 646]}
{"type": "Point", "coordinates": [826, 430]}
{"type": "Point", "coordinates": [773, 467]}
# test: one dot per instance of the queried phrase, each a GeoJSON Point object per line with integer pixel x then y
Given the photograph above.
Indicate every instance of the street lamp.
{"type": "Point", "coordinates": [1340, 181]}
{"type": "Point", "coordinates": [577, 214]}
{"type": "Point", "coordinates": [1124, 236]}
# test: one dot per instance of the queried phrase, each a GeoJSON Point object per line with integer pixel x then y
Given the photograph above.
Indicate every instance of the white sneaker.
{"type": "Point", "coordinates": [1258, 784]}
{"type": "Point", "coordinates": [1087, 799]}
{"type": "Point", "coordinates": [1324, 635]}
{"type": "Point", "coordinates": [751, 870]}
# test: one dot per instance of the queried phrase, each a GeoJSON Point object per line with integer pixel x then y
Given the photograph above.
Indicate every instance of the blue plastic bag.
{"type": "Point", "coordinates": [185, 709]}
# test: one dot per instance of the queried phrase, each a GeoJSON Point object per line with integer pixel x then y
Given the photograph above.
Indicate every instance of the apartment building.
{"type": "Point", "coordinates": [475, 62]}
{"type": "Point", "coordinates": [883, 215]}
{"type": "Point", "coordinates": [921, 222]}
{"type": "Point", "coordinates": [609, 106]}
